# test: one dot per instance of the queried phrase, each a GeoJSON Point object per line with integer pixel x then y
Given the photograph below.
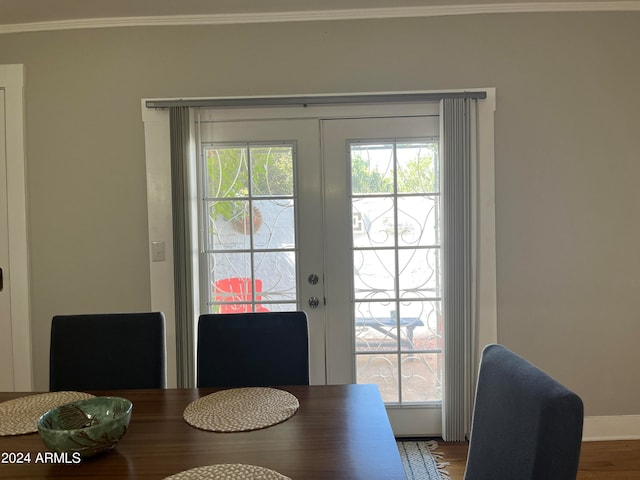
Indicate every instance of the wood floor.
{"type": "Point", "coordinates": [616, 460]}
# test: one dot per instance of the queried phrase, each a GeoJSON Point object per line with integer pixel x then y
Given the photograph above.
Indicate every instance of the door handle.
{"type": "Point", "coordinates": [1, 280]}
{"type": "Point", "coordinates": [314, 302]}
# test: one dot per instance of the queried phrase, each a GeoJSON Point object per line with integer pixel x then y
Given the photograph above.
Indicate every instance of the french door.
{"type": "Point", "coordinates": [383, 272]}
{"type": "Point", "coordinates": [262, 244]}
{"type": "Point", "coordinates": [352, 240]}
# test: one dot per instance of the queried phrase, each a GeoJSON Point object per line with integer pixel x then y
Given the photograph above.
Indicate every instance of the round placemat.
{"type": "Point", "coordinates": [241, 409]}
{"type": "Point", "coordinates": [20, 415]}
{"type": "Point", "coordinates": [230, 471]}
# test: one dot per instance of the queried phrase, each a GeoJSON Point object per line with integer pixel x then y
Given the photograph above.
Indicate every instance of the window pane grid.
{"type": "Point", "coordinates": [248, 229]}
{"type": "Point", "coordinates": [396, 256]}
{"type": "Point", "coordinates": [293, 250]}
{"type": "Point", "coordinates": [247, 198]}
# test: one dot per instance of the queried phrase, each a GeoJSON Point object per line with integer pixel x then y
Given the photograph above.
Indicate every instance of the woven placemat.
{"type": "Point", "coordinates": [241, 409]}
{"type": "Point", "coordinates": [20, 415]}
{"type": "Point", "coordinates": [230, 471]}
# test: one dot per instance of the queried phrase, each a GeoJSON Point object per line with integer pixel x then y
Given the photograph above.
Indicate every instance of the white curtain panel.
{"type": "Point", "coordinates": [180, 135]}
{"type": "Point", "coordinates": [458, 177]}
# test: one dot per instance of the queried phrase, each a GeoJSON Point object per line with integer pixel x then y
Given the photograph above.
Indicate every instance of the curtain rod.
{"type": "Point", "coordinates": [305, 101]}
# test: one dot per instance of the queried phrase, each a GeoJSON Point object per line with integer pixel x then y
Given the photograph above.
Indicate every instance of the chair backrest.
{"type": "Point", "coordinates": [525, 426]}
{"type": "Point", "coordinates": [253, 349]}
{"type": "Point", "coordinates": [107, 351]}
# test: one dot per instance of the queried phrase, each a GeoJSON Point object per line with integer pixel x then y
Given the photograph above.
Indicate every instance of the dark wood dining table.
{"type": "Point", "coordinates": [338, 432]}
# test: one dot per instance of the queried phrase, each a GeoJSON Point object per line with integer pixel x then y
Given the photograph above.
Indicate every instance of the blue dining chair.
{"type": "Point", "coordinates": [253, 349]}
{"type": "Point", "coordinates": [525, 425]}
{"type": "Point", "coordinates": [107, 351]}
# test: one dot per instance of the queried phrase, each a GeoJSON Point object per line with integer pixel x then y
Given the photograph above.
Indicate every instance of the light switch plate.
{"type": "Point", "coordinates": [157, 252]}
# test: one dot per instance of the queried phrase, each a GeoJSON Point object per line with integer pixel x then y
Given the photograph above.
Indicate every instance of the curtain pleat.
{"type": "Point", "coordinates": [183, 270]}
{"type": "Point", "coordinates": [458, 147]}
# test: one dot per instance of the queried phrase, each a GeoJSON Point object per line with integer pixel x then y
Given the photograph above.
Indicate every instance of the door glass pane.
{"type": "Point", "coordinates": [416, 167]}
{"type": "Point", "coordinates": [376, 222]}
{"type": "Point", "coordinates": [396, 268]}
{"type": "Point", "coordinates": [249, 235]}
{"type": "Point", "coordinates": [226, 172]}
{"type": "Point", "coordinates": [418, 273]}
{"type": "Point", "coordinates": [372, 168]}
{"type": "Point", "coordinates": [278, 230]}
{"type": "Point", "coordinates": [421, 377]}
{"type": "Point", "coordinates": [421, 230]}
{"type": "Point", "coordinates": [272, 170]}
{"type": "Point", "coordinates": [374, 274]}
{"type": "Point", "coordinates": [278, 273]}
{"type": "Point", "coordinates": [381, 369]}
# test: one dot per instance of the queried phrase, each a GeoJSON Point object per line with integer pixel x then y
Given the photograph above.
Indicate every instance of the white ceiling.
{"type": "Point", "coordinates": [30, 12]}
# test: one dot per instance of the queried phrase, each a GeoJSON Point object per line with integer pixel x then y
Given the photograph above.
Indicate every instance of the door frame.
{"type": "Point", "coordinates": [12, 82]}
{"type": "Point", "coordinates": [158, 163]}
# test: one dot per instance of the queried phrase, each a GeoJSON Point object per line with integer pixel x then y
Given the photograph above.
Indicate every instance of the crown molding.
{"type": "Point", "coordinates": [324, 15]}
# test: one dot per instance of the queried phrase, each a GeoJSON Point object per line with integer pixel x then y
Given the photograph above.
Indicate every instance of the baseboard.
{"type": "Point", "coordinates": [619, 427]}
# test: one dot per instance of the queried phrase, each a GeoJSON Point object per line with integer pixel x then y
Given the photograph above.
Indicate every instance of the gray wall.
{"type": "Point", "coordinates": [567, 143]}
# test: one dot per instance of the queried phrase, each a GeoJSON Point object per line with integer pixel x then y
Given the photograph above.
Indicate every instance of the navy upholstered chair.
{"type": "Point", "coordinates": [107, 351]}
{"type": "Point", "coordinates": [253, 349]}
{"type": "Point", "coordinates": [526, 425]}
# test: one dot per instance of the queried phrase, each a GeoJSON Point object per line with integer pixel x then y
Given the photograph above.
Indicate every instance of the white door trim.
{"type": "Point", "coordinates": [160, 219]}
{"type": "Point", "coordinates": [12, 82]}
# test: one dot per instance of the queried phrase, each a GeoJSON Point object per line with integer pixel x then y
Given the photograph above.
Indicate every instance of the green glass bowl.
{"type": "Point", "coordinates": [88, 427]}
